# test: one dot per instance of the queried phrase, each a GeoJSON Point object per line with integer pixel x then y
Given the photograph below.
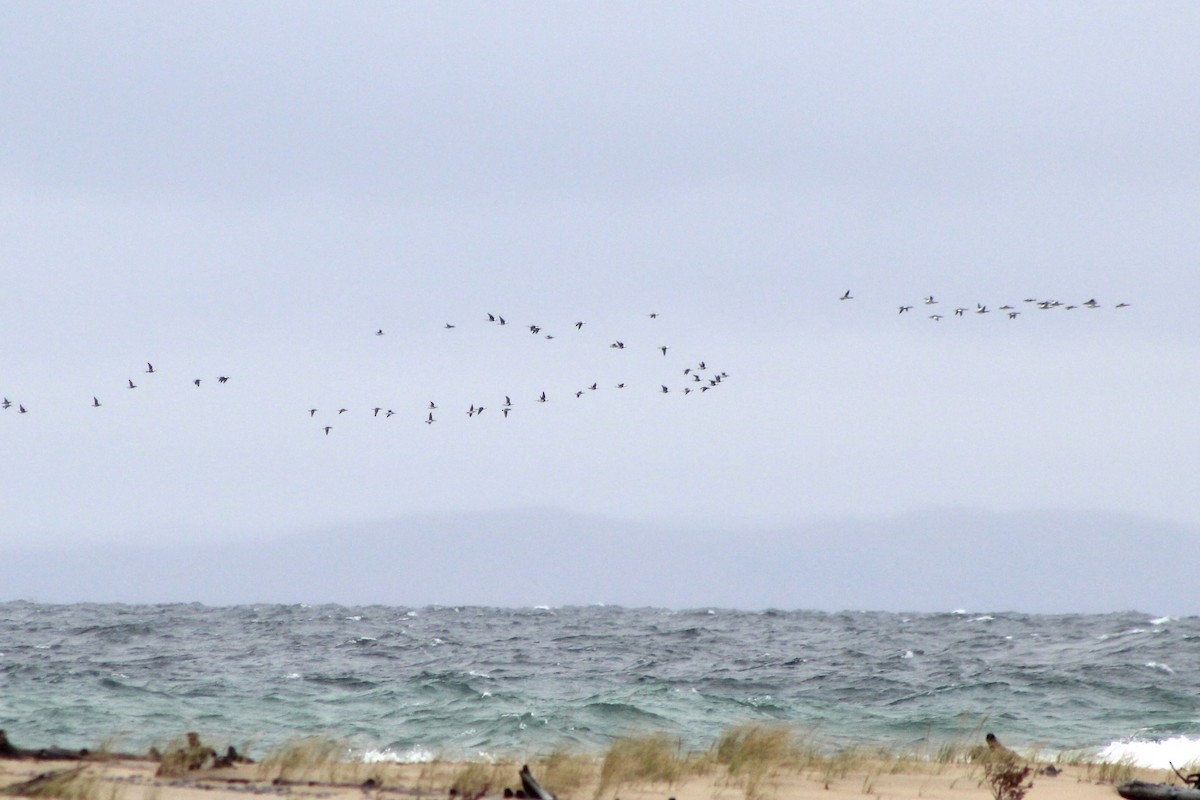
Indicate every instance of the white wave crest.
{"type": "Point", "coordinates": [413, 755]}
{"type": "Point", "coordinates": [1160, 754]}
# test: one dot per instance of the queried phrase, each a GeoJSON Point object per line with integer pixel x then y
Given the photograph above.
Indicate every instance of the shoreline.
{"type": "Point", "coordinates": [128, 779]}
{"type": "Point", "coordinates": [748, 763]}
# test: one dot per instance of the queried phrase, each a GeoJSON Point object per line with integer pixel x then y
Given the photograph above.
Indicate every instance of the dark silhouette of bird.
{"type": "Point", "coordinates": [1121, 305]}
{"type": "Point", "coordinates": [376, 409]}
{"type": "Point", "coordinates": [534, 329]}
{"type": "Point", "coordinates": [653, 315]}
{"type": "Point", "coordinates": [223, 379]}
{"type": "Point", "coordinates": [6, 403]}
{"type": "Point", "coordinates": [448, 326]}
{"type": "Point", "coordinates": [491, 318]}
{"type": "Point", "coordinates": [929, 301]}
{"type": "Point", "coordinates": [579, 325]}
{"type": "Point", "coordinates": [197, 381]}
{"type": "Point", "coordinates": [664, 349]}
{"type": "Point", "coordinates": [501, 320]}
{"type": "Point", "coordinates": [149, 367]}
{"type": "Point", "coordinates": [342, 410]}
{"type": "Point", "coordinates": [701, 365]}
{"type": "Point", "coordinates": [620, 386]}
{"type": "Point", "coordinates": [665, 390]}
{"type": "Point", "coordinates": [846, 296]}
{"type": "Point", "coordinates": [542, 399]}
{"type": "Point", "coordinates": [958, 312]}
{"type": "Point", "coordinates": [507, 401]}
{"type": "Point", "coordinates": [432, 405]}
{"type": "Point", "coordinates": [430, 420]}
{"type": "Point", "coordinates": [328, 428]}
{"type": "Point", "coordinates": [21, 409]}
{"type": "Point", "coordinates": [312, 411]}
{"type": "Point", "coordinates": [389, 413]}
{"type": "Point", "coordinates": [981, 309]}
{"type": "Point", "coordinates": [1013, 314]}
{"type": "Point", "coordinates": [592, 387]}
{"type": "Point", "coordinates": [1092, 303]}
{"type": "Point", "coordinates": [936, 317]}
{"type": "Point", "coordinates": [132, 385]}
{"type": "Point", "coordinates": [505, 411]}
{"type": "Point", "coordinates": [95, 403]}
{"type": "Point", "coordinates": [905, 308]}
{"type": "Point", "coordinates": [379, 332]}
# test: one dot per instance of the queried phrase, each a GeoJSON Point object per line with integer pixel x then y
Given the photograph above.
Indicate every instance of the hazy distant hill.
{"type": "Point", "coordinates": [934, 561]}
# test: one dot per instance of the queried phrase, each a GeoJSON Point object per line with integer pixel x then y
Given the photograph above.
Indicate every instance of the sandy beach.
{"type": "Point", "coordinates": [885, 779]}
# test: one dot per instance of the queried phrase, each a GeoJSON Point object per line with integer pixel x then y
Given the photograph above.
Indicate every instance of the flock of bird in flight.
{"type": "Point", "coordinates": [697, 378]}
{"type": "Point", "coordinates": [1012, 311]}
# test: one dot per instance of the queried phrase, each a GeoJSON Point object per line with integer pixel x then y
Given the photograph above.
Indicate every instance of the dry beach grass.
{"type": "Point", "coordinates": [746, 763]}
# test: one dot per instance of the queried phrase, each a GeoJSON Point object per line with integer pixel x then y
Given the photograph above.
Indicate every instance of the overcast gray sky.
{"type": "Point", "coordinates": [253, 189]}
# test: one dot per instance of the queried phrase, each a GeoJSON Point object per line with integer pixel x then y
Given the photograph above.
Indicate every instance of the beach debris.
{"type": "Point", "coordinates": [8, 750]}
{"type": "Point", "coordinates": [188, 758]}
{"type": "Point", "coordinates": [532, 787]}
{"type": "Point", "coordinates": [58, 783]}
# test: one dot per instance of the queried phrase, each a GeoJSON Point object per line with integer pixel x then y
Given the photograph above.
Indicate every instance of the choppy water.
{"type": "Point", "coordinates": [464, 681]}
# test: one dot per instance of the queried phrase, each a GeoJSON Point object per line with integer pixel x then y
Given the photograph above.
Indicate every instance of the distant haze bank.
{"type": "Point", "coordinates": [1038, 562]}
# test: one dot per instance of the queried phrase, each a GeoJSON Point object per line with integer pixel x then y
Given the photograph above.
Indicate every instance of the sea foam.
{"type": "Point", "coordinates": [1156, 754]}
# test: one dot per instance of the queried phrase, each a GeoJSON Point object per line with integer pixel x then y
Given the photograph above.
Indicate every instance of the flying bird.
{"type": "Point", "coordinates": [342, 410]}
{"type": "Point", "coordinates": [579, 325]}
{"type": "Point", "coordinates": [149, 367]}
{"type": "Point", "coordinates": [846, 296]}
{"type": "Point", "coordinates": [430, 420]}
{"type": "Point", "coordinates": [197, 381]}
{"type": "Point", "coordinates": [223, 379]}
{"type": "Point", "coordinates": [21, 409]}
{"type": "Point", "coordinates": [929, 301]}
{"type": "Point", "coordinates": [132, 385]}
{"type": "Point", "coordinates": [542, 399]}
{"type": "Point", "coordinates": [664, 349]}
{"type": "Point", "coordinates": [95, 403]}
{"type": "Point", "coordinates": [379, 332]}
{"type": "Point", "coordinates": [312, 411]}
{"type": "Point", "coordinates": [6, 403]}
{"type": "Point", "coordinates": [448, 326]}
{"type": "Point", "coordinates": [905, 308]}
{"type": "Point", "coordinates": [328, 428]}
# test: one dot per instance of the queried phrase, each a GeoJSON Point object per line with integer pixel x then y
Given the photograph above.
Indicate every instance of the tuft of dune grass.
{"type": "Point", "coordinates": [317, 758]}
{"type": "Point", "coordinates": [78, 783]}
{"type": "Point", "coordinates": [564, 770]}
{"type": "Point", "coordinates": [754, 756]}
{"type": "Point", "coordinates": [652, 758]}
